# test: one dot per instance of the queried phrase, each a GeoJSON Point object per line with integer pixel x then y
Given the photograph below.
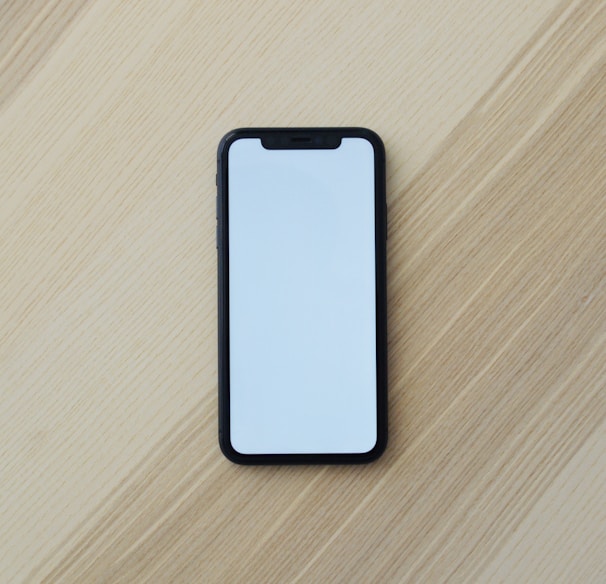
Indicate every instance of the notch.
{"type": "Point", "coordinates": [300, 139]}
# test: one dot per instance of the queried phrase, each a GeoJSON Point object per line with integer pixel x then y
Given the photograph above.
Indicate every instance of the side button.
{"type": "Point", "coordinates": [385, 215]}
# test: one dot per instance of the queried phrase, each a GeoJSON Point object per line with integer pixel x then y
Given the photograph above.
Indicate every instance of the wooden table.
{"type": "Point", "coordinates": [494, 119]}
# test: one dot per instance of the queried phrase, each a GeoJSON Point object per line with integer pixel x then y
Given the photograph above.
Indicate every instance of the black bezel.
{"type": "Point", "coordinates": [293, 138]}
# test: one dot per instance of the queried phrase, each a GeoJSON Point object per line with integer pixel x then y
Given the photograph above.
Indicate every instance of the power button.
{"type": "Point", "coordinates": [385, 215]}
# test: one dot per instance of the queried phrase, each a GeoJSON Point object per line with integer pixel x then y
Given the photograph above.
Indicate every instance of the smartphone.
{"type": "Point", "coordinates": [301, 237]}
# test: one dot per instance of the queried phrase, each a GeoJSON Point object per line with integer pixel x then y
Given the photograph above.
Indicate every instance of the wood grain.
{"type": "Point", "coordinates": [494, 119]}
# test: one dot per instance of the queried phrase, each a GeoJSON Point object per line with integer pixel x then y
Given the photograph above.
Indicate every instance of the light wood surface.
{"type": "Point", "coordinates": [494, 120]}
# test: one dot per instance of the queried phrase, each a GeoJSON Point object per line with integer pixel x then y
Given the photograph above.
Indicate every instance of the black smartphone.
{"type": "Point", "coordinates": [301, 236]}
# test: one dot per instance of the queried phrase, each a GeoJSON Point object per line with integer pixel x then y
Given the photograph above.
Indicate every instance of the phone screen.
{"type": "Point", "coordinates": [302, 298]}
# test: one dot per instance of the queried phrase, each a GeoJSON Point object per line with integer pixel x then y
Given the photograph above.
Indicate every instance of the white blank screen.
{"type": "Point", "coordinates": [302, 298]}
